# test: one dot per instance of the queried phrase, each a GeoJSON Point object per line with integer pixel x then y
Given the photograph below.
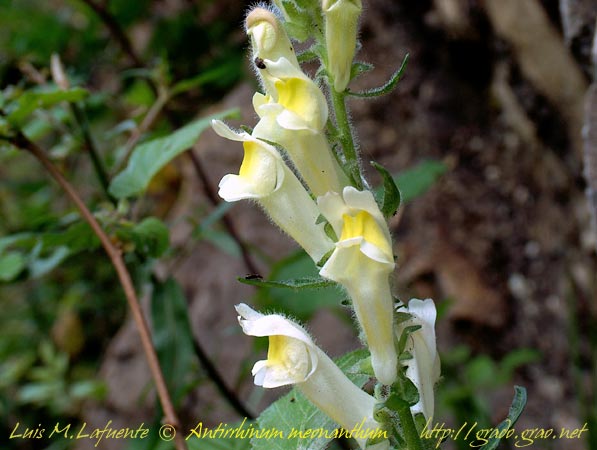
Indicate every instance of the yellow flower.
{"type": "Point", "coordinates": [341, 20]}
{"type": "Point", "coordinates": [264, 177]}
{"type": "Point", "coordinates": [293, 358]}
{"type": "Point", "coordinates": [293, 114]}
{"type": "Point", "coordinates": [362, 262]}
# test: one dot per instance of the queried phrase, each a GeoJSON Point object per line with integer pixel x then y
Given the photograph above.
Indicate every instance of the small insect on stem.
{"type": "Point", "coordinates": [259, 63]}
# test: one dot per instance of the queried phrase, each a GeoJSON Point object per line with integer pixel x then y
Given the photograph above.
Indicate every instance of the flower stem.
{"type": "Point", "coordinates": [346, 137]}
{"type": "Point", "coordinates": [411, 436]}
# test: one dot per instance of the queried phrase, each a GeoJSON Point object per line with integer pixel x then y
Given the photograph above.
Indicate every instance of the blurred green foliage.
{"type": "Point", "coordinates": [61, 302]}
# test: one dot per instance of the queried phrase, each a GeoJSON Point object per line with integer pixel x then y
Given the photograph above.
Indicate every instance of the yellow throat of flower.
{"type": "Point", "coordinates": [364, 225]}
{"type": "Point", "coordinates": [290, 355]}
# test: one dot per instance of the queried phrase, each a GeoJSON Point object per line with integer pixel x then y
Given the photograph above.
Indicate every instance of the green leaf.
{"type": "Point", "coordinates": [215, 74]}
{"type": "Point", "coordinates": [302, 303]}
{"type": "Point", "coordinates": [390, 201]}
{"type": "Point", "coordinates": [518, 404]}
{"type": "Point", "coordinates": [386, 88]}
{"type": "Point", "coordinates": [295, 412]}
{"type": "Point", "coordinates": [481, 372]}
{"type": "Point", "coordinates": [416, 181]}
{"type": "Point", "coordinates": [31, 100]}
{"type": "Point", "coordinates": [296, 284]}
{"type": "Point", "coordinates": [150, 237]}
{"type": "Point", "coordinates": [11, 265]}
{"type": "Point", "coordinates": [148, 158]}
{"type": "Point", "coordinates": [515, 359]}
{"type": "Point", "coordinates": [77, 237]}
{"type": "Point", "coordinates": [172, 336]}
{"type": "Point", "coordinates": [40, 266]}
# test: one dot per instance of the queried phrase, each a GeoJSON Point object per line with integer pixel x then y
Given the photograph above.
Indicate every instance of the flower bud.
{"type": "Point", "coordinates": [341, 20]}
{"type": "Point", "coordinates": [268, 38]}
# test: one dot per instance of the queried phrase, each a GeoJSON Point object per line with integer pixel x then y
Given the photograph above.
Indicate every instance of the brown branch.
{"type": "Point", "coordinates": [124, 277]}
{"type": "Point", "coordinates": [115, 30]}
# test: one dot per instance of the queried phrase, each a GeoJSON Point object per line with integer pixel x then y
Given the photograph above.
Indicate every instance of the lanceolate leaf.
{"type": "Point", "coordinates": [295, 284]}
{"type": "Point", "coordinates": [11, 264]}
{"type": "Point", "coordinates": [518, 404]}
{"type": "Point", "coordinates": [294, 412]}
{"type": "Point", "coordinates": [31, 100]}
{"type": "Point", "coordinates": [416, 181]}
{"type": "Point", "coordinates": [148, 158]}
{"type": "Point", "coordinates": [386, 88]}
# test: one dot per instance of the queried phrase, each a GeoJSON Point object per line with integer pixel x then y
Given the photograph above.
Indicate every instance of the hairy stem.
{"type": "Point", "coordinates": [170, 417]}
{"type": "Point", "coordinates": [411, 436]}
{"type": "Point", "coordinates": [345, 136]}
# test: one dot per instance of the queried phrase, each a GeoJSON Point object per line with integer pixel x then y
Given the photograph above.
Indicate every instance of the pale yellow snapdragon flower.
{"type": "Point", "coordinates": [265, 178]}
{"type": "Point", "coordinates": [293, 111]}
{"type": "Point", "coordinates": [294, 359]}
{"type": "Point", "coordinates": [362, 262]}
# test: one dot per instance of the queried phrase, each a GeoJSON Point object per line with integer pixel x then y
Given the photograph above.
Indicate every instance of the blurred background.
{"type": "Point", "coordinates": [483, 134]}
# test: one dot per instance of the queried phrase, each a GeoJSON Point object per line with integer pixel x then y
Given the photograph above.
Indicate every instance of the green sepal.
{"type": "Point", "coordinates": [246, 129]}
{"type": "Point", "coordinates": [400, 317]}
{"type": "Point", "coordinates": [296, 284]}
{"type": "Point", "coordinates": [518, 403]}
{"type": "Point", "coordinates": [386, 88]}
{"type": "Point", "coordinates": [359, 68]}
{"type": "Point", "coordinates": [325, 258]}
{"type": "Point", "coordinates": [403, 393]}
{"type": "Point", "coordinates": [404, 336]}
{"type": "Point", "coordinates": [309, 55]}
{"type": "Point", "coordinates": [390, 201]}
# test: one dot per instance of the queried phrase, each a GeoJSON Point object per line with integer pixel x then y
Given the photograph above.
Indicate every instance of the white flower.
{"type": "Point", "coordinates": [424, 368]}
{"type": "Point", "coordinates": [265, 178]}
{"type": "Point", "coordinates": [362, 263]}
{"type": "Point", "coordinates": [293, 358]}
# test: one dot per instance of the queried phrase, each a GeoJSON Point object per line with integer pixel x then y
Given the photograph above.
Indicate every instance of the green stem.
{"type": "Point", "coordinates": [346, 137]}
{"type": "Point", "coordinates": [411, 436]}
